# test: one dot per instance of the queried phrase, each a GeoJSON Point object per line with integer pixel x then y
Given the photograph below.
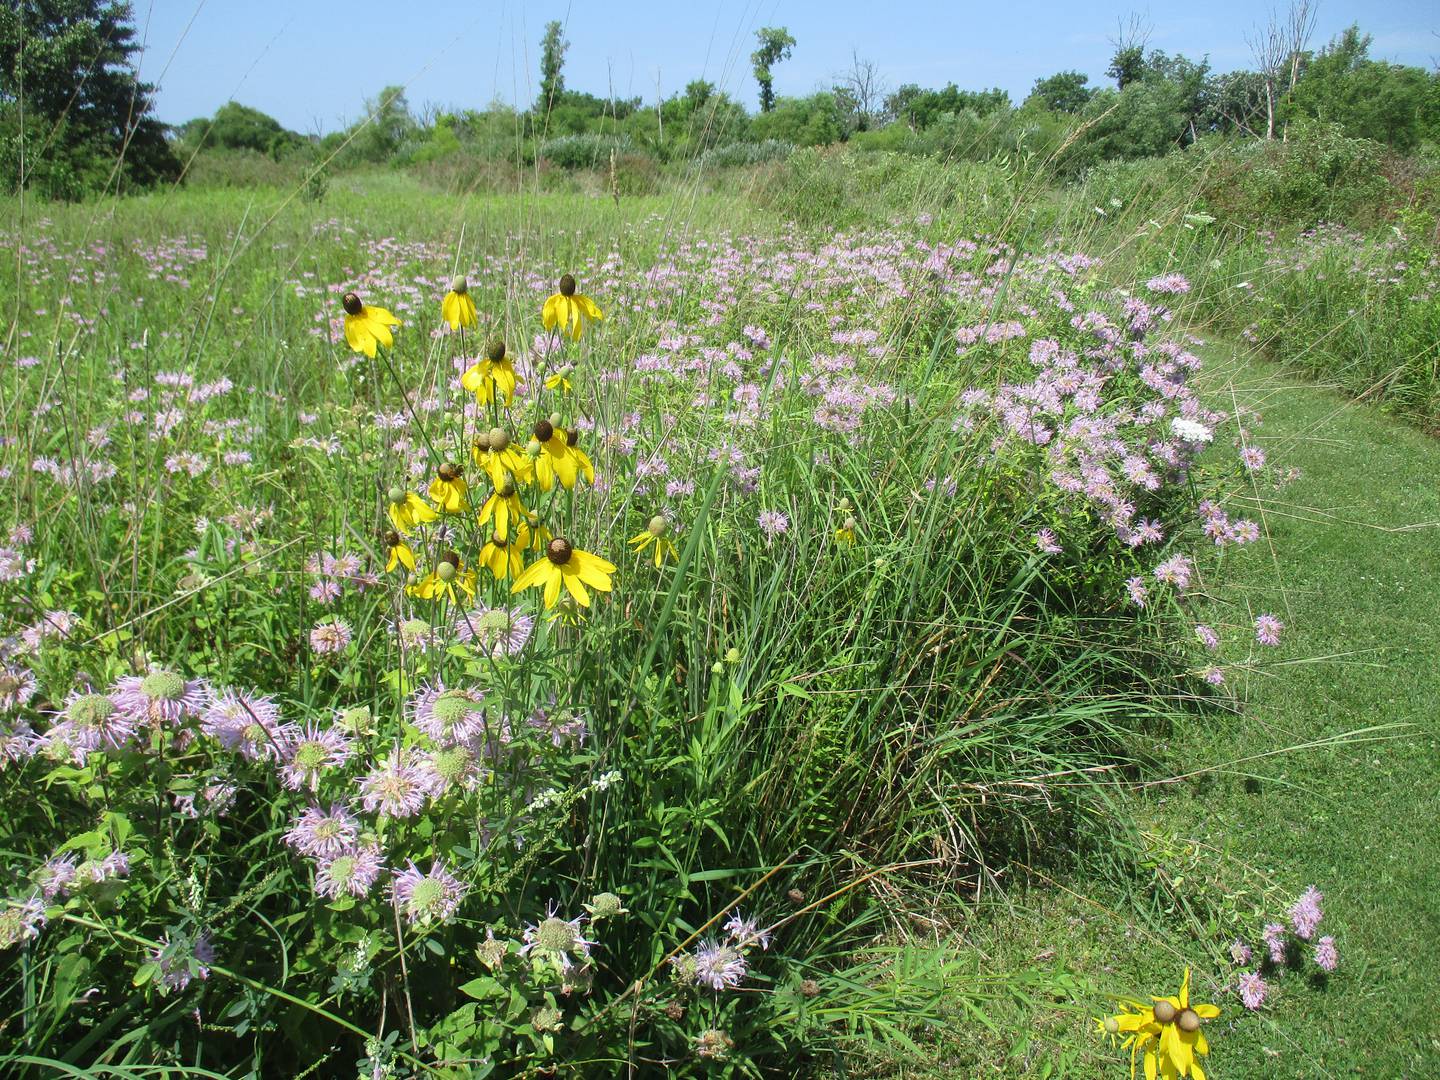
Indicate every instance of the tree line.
{"type": "Point", "coordinates": [75, 118]}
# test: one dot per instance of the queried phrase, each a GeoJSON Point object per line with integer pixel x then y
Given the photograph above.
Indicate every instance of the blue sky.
{"type": "Point", "coordinates": [311, 63]}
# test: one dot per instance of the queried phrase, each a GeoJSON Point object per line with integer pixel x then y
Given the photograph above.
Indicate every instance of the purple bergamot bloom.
{"type": "Point", "coordinates": [495, 631]}
{"type": "Point", "coordinates": [427, 898]}
{"type": "Point", "coordinates": [324, 834]}
{"type": "Point", "coordinates": [310, 751]}
{"type": "Point", "coordinates": [1267, 629]}
{"type": "Point", "coordinates": [719, 966]}
{"type": "Point", "coordinates": [396, 786]}
{"type": "Point", "coordinates": [1305, 913]}
{"type": "Point", "coordinates": [449, 716]}
{"type": "Point", "coordinates": [1326, 955]}
{"type": "Point", "coordinates": [1252, 989]}
{"type": "Point", "coordinates": [248, 723]}
{"type": "Point", "coordinates": [350, 873]}
{"type": "Point", "coordinates": [162, 697]}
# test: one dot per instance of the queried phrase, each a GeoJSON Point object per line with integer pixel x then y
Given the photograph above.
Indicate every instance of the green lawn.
{"type": "Point", "coordinates": [1243, 811]}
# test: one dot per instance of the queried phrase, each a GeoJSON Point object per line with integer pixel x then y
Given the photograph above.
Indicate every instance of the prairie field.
{"type": "Point", "coordinates": [841, 611]}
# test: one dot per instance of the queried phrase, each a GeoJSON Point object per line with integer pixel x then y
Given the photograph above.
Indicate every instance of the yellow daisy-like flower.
{"type": "Point", "coordinates": [1167, 1035]}
{"type": "Point", "coordinates": [846, 533]}
{"type": "Point", "coordinates": [505, 508]}
{"type": "Point", "coordinates": [554, 458]}
{"type": "Point", "coordinates": [457, 308]}
{"type": "Point", "coordinates": [491, 376]}
{"type": "Point", "coordinates": [366, 326]}
{"type": "Point", "coordinates": [442, 582]}
{"type": "Point", "coordinates": [506, 557]}
{"type": "Point", "coordinates": [564, 564]}
{"type": "Point", "coordinates": [500, 459]}
{"type": "Point", "coordinates": [560, 379]}
{"type": "Point", "coordinates": [407, 511]}
{"type": "Point", "coordinates": [569, 310]}
{"type": "Point", "coordinates": [400, 553]}
{"type": "Point", "coordinates": [654, 535]}
{"type": "Point", "coordinates": [449, 491]}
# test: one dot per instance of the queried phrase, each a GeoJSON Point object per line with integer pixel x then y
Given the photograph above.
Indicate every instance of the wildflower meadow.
{"type": "Point", "coordinates": [782, 622]}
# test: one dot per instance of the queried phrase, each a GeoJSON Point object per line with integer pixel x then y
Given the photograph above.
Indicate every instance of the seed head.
{"type": "Point", "coordinates": [392, 539]}
{"type": "Point", "coordinates": [396, 495]}
{"type": "Point", "coordinates": [458, 285]}
{"type": "Point", "coordinates": [810, 988]}
{"type": "Point", "coordinates": [1164, 1012]}
{"type": "Point", "coordinates": [482, 442]}
{"type": "Point", "coordinates": [796, 897]}
{"type": "Point", "coordinates": [555, 419]}
{"type": "Point", "coordinates": [499, 439]}
{"type": "Point", "coordinates": [495, 351]}
{"type": "Point", "coordinates": [449, 472]}
{"type": "Point", "coordinates": [1189, 1021]}
{"type": "Point", "coordinates": [508, 491]}
{"type": "Point", "coordinates": [559, 550]}
{"type": "Point", "coordinates": [567, 285]}
{"type": "Point", "coordinates": [1112, 1026]}
{"type": "Point", "coordinates": [163, 686]}
{"type": "Point", "coordinates": [351, 303]}
{"type": "Point", "coordinates": [544, 431]}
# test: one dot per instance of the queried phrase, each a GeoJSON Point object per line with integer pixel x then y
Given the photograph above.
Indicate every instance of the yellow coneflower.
{"type": "Point", "coordinates": [505, 557]}
{"type": "Point", "coordinates": [500, 459]}
{"type": "Point", "coordinates": [845, 534]}
{"type": "Point", "coordinates": [505, 508]}
{"type": "Point", "coordinates": [582, 460]}
{"type": "Point", "coordinates": [495, 374]}
{"type": "Point", "coordinates": [569, 310]}
{"type": "Point", "coordinates": [366, 326]}
{"type": "Point", "coordinates": [565, 564]}
{"type": "Point", "coordinates": [1167, 1034]}
{"type": "Point", "coordinates": [400, 553]}
{"type": "Point", "coordinates": [449, 574]}
{"type": "Point", "coordinates": [448, 490]}
{"type": "Point", "coordinates": [457, 308]}
{"type": "Point", "coordinates": [553, 457]}
{"type": "Point", "coordinates": [407, 510]}
{"type": "Point", "coordinates": [655, 534]}
{"type": "Point", "coordinates": [560, 379]}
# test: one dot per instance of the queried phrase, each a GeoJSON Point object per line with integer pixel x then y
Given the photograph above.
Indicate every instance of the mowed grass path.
{"type": "Point", "coordinates": [1356, 576]}
{"type": "Point", "coordinates": [1253, 810]}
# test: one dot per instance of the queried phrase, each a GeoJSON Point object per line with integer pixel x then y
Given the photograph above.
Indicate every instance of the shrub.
{"type": "Point", "coordinates": [585, 151]}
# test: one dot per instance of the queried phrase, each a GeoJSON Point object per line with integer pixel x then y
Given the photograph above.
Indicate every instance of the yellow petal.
{"type": "Point", "coordinates": [588, 559]}
{"type": "Point", "coordinates": [571, 577]}
{"type": "Point", "coordinates": [533, 575]}
{"type": "Point", "coordinates": [552, 586]}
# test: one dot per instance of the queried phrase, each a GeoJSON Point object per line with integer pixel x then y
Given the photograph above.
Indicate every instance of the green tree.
{"type": "Point", "coordinates": [921, 108]}
{"type": "Point", "coordinates": [1370, 99]}
{"type": "Point", "coordinates": [775, 45]}
{"type": "Point", "coordinates": [1065, 91]}
{"type": "Point", "coordinates": [387, 128]}
{"type": "Point", "coordinates": [1127, 65]}
{"type": "Point", "coordinates": [239, 127]}
{"type": "Point", "coordinates": [552, 64]}
{"type": "Point", "coordinates": [71, 107]}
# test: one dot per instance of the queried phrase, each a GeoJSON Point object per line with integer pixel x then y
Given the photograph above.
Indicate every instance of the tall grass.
{"type": "Point", "coordinates": [828, 737]}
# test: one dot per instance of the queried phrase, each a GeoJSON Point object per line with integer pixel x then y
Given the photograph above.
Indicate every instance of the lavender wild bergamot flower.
{"type": "Point", "coordinates": [350, 873]}
{"type": "Point", "coordinates": [324, 834]}
{"type": "Point", "coordinates": [161, 697]}
{"type": "Point", "coordinates": [429, 897]}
